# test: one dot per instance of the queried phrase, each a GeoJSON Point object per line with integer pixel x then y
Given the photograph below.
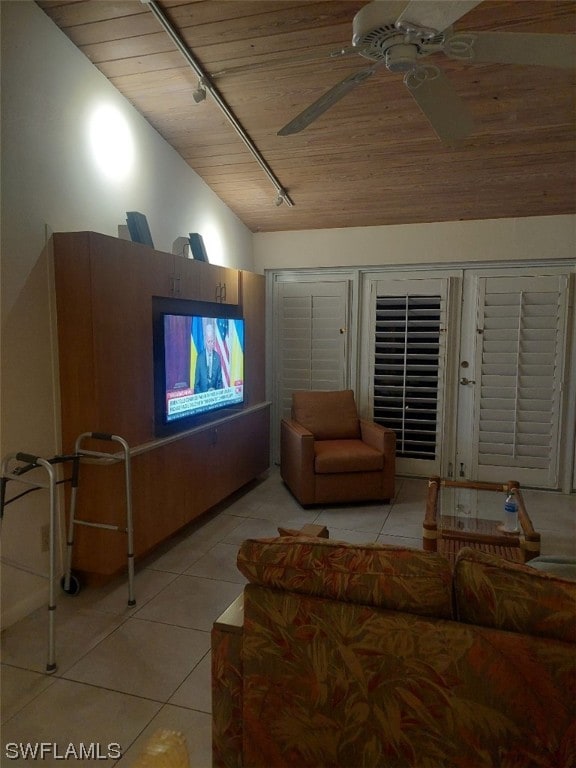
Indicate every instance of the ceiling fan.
{"type": "Point", "coordinates": [400, 36]}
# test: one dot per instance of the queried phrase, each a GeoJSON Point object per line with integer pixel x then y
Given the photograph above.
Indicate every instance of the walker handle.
{"type": "Point", "coordinates": [27, 457]}
{"type": "Point", "coordinates": [101, 436]}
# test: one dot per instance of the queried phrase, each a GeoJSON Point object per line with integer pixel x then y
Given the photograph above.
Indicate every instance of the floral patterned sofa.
{"type": "Point", "coordinates": [347, 655]}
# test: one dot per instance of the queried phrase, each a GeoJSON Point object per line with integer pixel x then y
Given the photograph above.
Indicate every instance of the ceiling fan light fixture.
{"type": "Point", "coordinates": [401, 58]}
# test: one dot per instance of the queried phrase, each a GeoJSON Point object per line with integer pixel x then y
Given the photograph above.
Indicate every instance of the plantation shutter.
{"type": "Point", "coordinates": [519, 387]}
{"type": "Point", "coordinates": [408, 368]}
{"type": "Point", "coordinates": [311, 340]}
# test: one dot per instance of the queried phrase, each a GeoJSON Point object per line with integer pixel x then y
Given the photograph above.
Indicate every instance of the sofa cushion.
{"type": "Point", "coordinates": [328, 415]}
{"type": "Point", "coordinates": [372, 574]}
{"type": "Point", "coordinates": [346, 456]}
{"type": "Point", "coordinates": [493, 592]}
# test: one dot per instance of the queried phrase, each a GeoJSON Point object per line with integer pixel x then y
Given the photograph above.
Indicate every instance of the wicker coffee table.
{"type": "Point", "coordinates": [469, 514]}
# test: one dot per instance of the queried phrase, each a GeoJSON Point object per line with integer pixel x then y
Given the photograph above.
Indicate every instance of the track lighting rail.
{"type": "Point", "coordinates": [213, 91]}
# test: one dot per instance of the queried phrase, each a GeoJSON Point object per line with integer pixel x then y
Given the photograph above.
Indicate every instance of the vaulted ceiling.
{"type": "Point", "coordinates": [371, 159]}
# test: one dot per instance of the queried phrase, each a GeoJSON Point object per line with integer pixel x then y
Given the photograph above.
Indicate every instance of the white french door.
{"type": "Point", "coordinates": [511, 378]}
{"type": "Point", "coordinates": [469, 371]}
{"type": "Point", "coordinates": [407, 359]}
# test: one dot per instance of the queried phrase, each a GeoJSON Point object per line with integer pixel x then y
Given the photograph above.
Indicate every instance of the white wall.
{"type": "Point", "coordinates": [50, 182]}
{"type": "Point", "coordinates": [540, 237]}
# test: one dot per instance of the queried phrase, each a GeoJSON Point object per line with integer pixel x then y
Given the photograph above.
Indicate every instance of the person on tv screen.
{"type": "Point", "coordinates": [208, 364]}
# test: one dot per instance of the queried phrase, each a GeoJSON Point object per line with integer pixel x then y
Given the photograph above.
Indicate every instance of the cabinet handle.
{"type": "Point", "coordinates": [223, 291]}
{"type": "Point", "coordinates": [174, 285]}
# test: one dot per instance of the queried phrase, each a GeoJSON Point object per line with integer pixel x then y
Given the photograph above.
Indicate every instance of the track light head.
{"type": "Point", "coordinates": [200, 93]}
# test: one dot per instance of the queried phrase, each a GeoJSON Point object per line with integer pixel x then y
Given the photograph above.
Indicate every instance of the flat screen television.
{"type": "Point", "coordinates": [198, 362]}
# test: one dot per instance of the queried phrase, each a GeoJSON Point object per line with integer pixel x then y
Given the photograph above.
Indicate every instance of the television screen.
{"type": "Point", "coordinates": [201, 366]}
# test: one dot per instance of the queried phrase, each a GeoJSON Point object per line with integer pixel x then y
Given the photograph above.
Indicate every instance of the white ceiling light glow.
{"type": "Point", "coordinates": [111, 142]}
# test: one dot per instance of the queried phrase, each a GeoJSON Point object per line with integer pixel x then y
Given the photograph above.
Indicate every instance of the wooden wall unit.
{"type": "Point", "coordinates": [104, 289]}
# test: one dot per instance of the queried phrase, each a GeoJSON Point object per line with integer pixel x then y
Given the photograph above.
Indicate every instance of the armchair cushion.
{"type": "Point", "coordinates": [346, 456]}
{"type": "Point", "coordinates": [493, 592]}
{"type": "Point", "coordinates": [372, 574]}
{"type": "Point", "coordinates": [330, 417]}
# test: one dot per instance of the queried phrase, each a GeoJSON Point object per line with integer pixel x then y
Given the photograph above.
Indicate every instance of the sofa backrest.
{"type": "Point", "coordinates": [492, 592]}
{"type": "Point", "coordinates": [396, 578]}
{"type": "Point", "coordinates": [329, 415]}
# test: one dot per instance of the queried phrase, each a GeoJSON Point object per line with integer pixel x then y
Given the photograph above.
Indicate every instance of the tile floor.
{"type": "Point", "coordinates": [124, 672]}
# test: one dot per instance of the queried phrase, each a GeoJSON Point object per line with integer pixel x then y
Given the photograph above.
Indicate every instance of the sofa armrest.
{"type": "Point", "coordinates": [227, 638]}
{"type": "Point", "coordinates": [297, 460]}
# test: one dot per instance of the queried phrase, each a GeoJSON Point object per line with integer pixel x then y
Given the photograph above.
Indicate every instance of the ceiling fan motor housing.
{"type": "Point", "coordinates": [376, 36]}
{"type": "Point", "coordinates": [373, 28]}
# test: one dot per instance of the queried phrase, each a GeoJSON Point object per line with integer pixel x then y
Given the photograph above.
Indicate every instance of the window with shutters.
{"type": "Point", "coordinates": [406, 371]}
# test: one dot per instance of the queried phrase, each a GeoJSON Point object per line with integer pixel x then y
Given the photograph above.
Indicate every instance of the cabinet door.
{"type": "Point", "coordinates": [219, 284]}
{"type": "Point", "coordinates": [187, 278]}
{"type": "Point", "coordinates": [236, 451]}
{"type": "Point", "coordinates": [205, 282]}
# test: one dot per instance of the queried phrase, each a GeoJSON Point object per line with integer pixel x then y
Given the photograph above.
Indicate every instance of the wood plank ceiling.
{"type": "Point", "coordinates": [372, 159]}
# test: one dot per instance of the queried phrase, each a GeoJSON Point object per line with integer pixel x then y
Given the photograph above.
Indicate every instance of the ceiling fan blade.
{"type": "Point", "coordinates": [326, 101]}
{"type": "Point", "coordinates": [440, 103]}
{"type": "Point", "coordinates": [541, 49]}
{"type": "Point", "coordinates": [434, 14]}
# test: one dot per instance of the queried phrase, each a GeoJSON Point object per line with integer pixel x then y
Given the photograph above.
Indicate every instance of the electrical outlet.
{"type": "Point", "coordinates": [45, 538]}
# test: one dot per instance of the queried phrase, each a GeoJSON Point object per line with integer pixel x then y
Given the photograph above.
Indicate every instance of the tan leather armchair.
{"type": "Point", "coordinates": [329, 455]}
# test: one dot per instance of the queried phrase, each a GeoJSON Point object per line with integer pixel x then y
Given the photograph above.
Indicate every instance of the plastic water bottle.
{"type": "Point", "coordinates": [511, 513]}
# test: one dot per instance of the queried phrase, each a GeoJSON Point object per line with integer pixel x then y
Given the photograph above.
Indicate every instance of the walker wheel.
{"type": "Point", "coordinates": [74, 587]}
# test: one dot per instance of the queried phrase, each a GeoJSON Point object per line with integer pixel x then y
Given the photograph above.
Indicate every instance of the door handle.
{"type": "Point", "coordinates": [464, 380]}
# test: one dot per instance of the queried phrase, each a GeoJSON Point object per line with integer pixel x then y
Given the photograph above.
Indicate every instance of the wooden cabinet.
{"type": "Point", "coordinates": [206, 282]}
{"type": "Point", "coordinates": [172, 484]}
{"type": "Point", "coordinates": [104, 289]}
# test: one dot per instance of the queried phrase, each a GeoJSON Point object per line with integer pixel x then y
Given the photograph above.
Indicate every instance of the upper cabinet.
{"type": "Point", "coordinates": [205, 282]}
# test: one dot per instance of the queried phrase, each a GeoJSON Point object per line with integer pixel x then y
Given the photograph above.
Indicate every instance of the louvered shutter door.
{"type": "Point", "coordinates": [408, 369]}
{"type": "Point", "coordinates": [518, 391]}
{"type": "Point", "coordinates": [311, 339]}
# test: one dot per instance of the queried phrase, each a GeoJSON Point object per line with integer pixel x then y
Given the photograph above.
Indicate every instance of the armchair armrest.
{"type": "Point", "coordinates": [379, 437]}
{"type": "Point", "coordinates": [383, 439]}
{"type": "Point", "coordinates": [297, 460]}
